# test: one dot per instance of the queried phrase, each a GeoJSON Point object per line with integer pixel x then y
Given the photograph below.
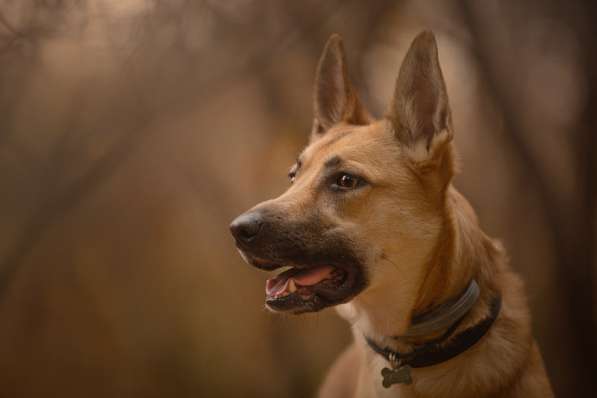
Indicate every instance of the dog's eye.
{"type": "Point", "coordinates": [292, 173]}
{"type": "Point", "coordinates": [347, 182]}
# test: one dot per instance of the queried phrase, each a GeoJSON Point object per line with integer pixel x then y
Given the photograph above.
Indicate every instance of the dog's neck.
{"type": "Point", "coordinates": [464, 253]}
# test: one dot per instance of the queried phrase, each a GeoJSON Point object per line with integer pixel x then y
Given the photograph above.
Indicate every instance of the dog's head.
{"type": "Point", "coordinates": [367, 197]}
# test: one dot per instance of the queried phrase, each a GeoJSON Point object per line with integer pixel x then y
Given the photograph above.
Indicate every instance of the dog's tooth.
{"type": "Point", "coordinates": [291, 286]}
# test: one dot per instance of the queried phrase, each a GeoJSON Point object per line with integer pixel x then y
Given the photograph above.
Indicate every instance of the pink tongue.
{"type": "Point", "coordinates": [279, 284]}
{"type": "Point", "coordinates": [313, 276]}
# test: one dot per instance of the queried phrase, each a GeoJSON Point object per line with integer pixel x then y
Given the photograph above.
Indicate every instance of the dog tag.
{"type": "Point", "coordinates": [396, 376]}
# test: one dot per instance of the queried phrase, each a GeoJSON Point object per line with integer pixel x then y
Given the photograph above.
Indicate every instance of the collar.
{"type": "Point", "coordinates": [444, 315]}
{"type": "Point", "coordinates": [438, 350]}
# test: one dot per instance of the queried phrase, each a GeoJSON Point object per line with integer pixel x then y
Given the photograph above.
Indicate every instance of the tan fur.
{"type": "Point", "coordinates": [424, 244]}
{"type": "Point", "coordinates": [419, 239]}
{"type": "Point", "coordinates": [506, 363]}
{"type": "Point", "coordinates": [422, 251]}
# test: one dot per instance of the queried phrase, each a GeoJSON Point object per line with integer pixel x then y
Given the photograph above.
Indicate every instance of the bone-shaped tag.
{"type": "Point", "coordinates": [396, 376]}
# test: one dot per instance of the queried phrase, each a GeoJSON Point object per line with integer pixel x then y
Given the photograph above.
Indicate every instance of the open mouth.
{"type": "Point", "coordinates": [304, 282]}
{"type": "Point", "coordinates": [310, 289]}
{"type": "Point", "coordinates": [316, 268]}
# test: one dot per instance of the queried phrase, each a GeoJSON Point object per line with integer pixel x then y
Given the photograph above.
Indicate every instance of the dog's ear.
{"type": "Point", "coordinates": [335, 99]}
{"type": "Point", "coordinates": [419, 111]}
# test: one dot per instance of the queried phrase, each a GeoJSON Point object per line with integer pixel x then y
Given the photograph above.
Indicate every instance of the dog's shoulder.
{"type": "Point", "coordinates": [532, 381]}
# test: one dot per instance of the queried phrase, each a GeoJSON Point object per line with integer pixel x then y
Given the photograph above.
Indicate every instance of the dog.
{"type": "Point", "coordinates": [372, 225]}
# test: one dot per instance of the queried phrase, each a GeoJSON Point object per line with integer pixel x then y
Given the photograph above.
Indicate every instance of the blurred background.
{"type": "Point", "coordinates": [133, 131]}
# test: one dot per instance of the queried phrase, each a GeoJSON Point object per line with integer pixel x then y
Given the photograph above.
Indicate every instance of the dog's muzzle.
{"type": "Point", "coordinates": [321, 267]}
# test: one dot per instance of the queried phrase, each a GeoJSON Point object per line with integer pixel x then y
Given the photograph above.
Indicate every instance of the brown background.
{"type": "Point", "coordinates": [132, 132]}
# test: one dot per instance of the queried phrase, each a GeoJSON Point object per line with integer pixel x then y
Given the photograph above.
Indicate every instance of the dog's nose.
{"type": "Point", "coordinates": [246, 227]}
